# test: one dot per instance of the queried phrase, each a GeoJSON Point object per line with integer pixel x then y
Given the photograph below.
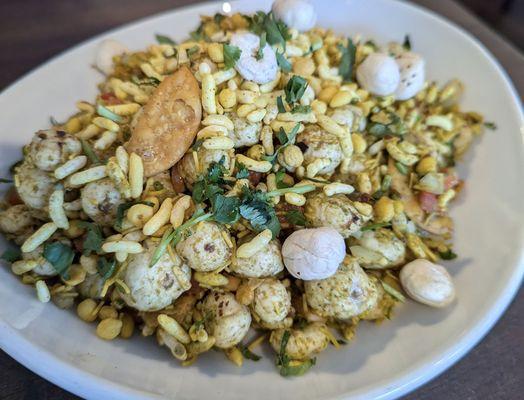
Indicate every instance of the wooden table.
{"type": "Point", "coordinates": [33, 31]}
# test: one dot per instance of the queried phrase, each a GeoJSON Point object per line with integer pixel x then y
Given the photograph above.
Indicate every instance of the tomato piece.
{"type": "Point", "coordinates": [12, 197]}
{"type": "Point", "coordinates": [450, 181]}
{"type": "Point", "coordinates": [177, 181]}
{"type": "Point", "coordinates": [110, 99]}
{"type": "Point", "coordinates": [428, 201]}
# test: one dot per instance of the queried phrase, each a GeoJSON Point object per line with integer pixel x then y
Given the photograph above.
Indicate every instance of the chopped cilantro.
{"type": "Point", "coordinates": [372, 227]}
{"type": "Point", "coordinates": [11, 255]}
{"type": "Point", "coordinates": [231, 55]}
{"type": "Point", "coordinates": [347, 61]}
{"type": "Point", "coordinates": [401, 168]}
{"type": "Point", "coordinates": [296, 217]}
{"type": "Point", "coordinates": [407, 43]}
{"type": "Point", "coordinates": [261, 45]}
{"type": "Point", "coordinates": [94, 238]}
{"type": "Point", "coordinates": [490, 125]}
{"type": "Point", "coordinates": [300, 109]}
{"type": "Point", "coordinates": [60, 256]}
{"type": "Point", "coordinates": [447, 255]}
{"type": "Point", "coordinates": [106, 267]}
{"type": "Point", "coordinates": [280, 105]}
{"type": "Point", "coordinates": [107, 113]}
{"type": "Point", "coordinates": [242, 171]}
{"type": "Point", "coordinates": [248, 354]}
{"type": "Point", "coordinates": [89, 152]}
{"type": "Point", "coordinates": [193, 50]}
{"type": "Point", "coordinates": [163, 39]}
{"type": "Point", "coordinates": [283, 62]}
{"type": "Point", "coordinates": [295, 89]}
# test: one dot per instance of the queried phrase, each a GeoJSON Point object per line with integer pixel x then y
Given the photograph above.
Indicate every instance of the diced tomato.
{"type": "Point", "coordinates": [450, 181]}
{"type": "Point", "coordinates": [110, 99]}
{"type": "Point", "coordinates": [428, 201]}
{"type": "Point", "coordinates": [177, 181]}
{"type": "Point", "coordinates": [12, 197]}
{"type": "Point", "coordinates": [254, 177]}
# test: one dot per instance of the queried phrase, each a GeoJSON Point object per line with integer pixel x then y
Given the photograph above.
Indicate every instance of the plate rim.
{"type": "Point", "coordinates": [80, 382]}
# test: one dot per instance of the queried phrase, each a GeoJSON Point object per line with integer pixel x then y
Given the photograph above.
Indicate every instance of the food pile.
{"type": "Point", "coordinates": [264, 174]}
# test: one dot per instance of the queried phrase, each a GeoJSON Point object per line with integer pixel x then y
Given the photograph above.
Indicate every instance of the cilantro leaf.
{"type": "Point", "coordinates": [372, 227]}
{"type": "Point", "coordinates": [11, 255]}
{"type": "Point", "coordinates": [347, 61]}
{"type": "Point", "coordinates": [261, 45]}
{"type": "Point", "coordinates": [296, 217]}
{"type": "Point", "coordinates": [163, 39]}
{"type": "Point", "coordinates": [89, 152]}
{"type": "Point", "coordinates": [242, 171]}
{"type": "Point", "coordinates": [279, 177]}
{"type": "Point", "coordinates": [122, 208]}
{"type": "Point", "coordinates": [107, 113]}
{"type": "Point", "coordinates": [256, 208]}
{"type": "Point", "coordinates": [248, 354]}
{"type": "Point", "coordinates": [94, 238]}
{"type": "Point", "coordinates": [280, 105]}
{"type": "Point", "coordinates": [285, 140]}
{"type": "Point", "coordinates": [447, 255]}
{"type": "Point", "coordinates": [106, 267]}
{"type": "Point", "coordinates": [60, 256]}
{"type": "Point", "coordinates": [300, 109]}
{"type": "Point", "coordinates": [193, 50]}
{"type": "Point", "coordinates": [225, 209]}
{"type": "Point", "coordinates": [407, 43]}
{"type": "Point", "coordinates": [283, 62]}
{"type": "Point", "coordinates": [490, 125]}
{"type": "Point", "coordinates": [297, 370]}
{"type": "Point", "coordinates": [231, 55]}
{"type": "Point", "coordinates": [295, 89]}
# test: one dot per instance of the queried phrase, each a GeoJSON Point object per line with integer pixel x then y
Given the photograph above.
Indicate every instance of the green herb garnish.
{"type": "Point", "coordinates": [248, 354]}
{"type": "Point", "coordinates": [122, 208]}
{"type": "Point", "coordinates": [283, 62]}
{"type": "Point", "coordinates": [231, 55]}
{"type": "Point", "coordinates": [372, 227]}
{"type": "Point", "coordinates": [148, 81]}
{"type": "Point", "coordinates": [107, 113]}
{"type": "Point", "coordinates": [106, 267]}
{"type": "Point", "coordinates": [347, 61]}
{"type": "Point", "coordinates": [283, 360]}
{"type": "Point", "coordinates": [279, 178]}
{"type": "Point", "coordinates": [261, 45]}
{"type": "Point", "coordinates": [401, 168]}
{"type": "Point", "coordinates": [89, 152]}
{"type": "Point", "coordinates": [163, 39]}
{"type": "Point", "coordinates": [280, 105]}
{"type": "Point", "coordinates": [226, 209]}
{"type": "Point", "coordinates": [285, 140]}
{"type": "Point", "coordinates": [11, 255]}
{"type": "Point", "coordinates": [197, 144]}
{"type": "Point", "coordinates": [60, 256]}
{"type": "Point", "coordinates": [242, 171]}
{"type": "Point", "coordinates": [172, 237]}
{"type": "Point", "coordinates": [393, 292]}
{"type": "Point", "coordinates": [295, 89]}
{"type": "Point", "coordinates": [447, 255]}
{"type": "Point", "coordinates": [276, 31]}
{"type": "Point", "coordinates": [193, 50]}
{"type": "Point", "coordinates": [94, 238]}
{"type": "Point", "coordinates": [490, 125]}
{"type": "Point", "coordinates": [407, 43]}
{"type": "Point", "coordinates": [296, 217]}
{"type": "Point", "coordinates": [300, 109]}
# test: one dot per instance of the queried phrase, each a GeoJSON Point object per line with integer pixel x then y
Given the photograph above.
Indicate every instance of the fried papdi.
{"type": "Point", "coordinates": [169, 122]}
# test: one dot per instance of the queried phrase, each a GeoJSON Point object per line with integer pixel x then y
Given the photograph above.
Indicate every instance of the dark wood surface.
{"type": "Point", "coordinates": [32, 31]}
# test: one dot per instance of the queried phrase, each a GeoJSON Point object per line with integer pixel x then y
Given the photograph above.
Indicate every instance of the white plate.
{"type": "Point", "coordinates": [384, 361]}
